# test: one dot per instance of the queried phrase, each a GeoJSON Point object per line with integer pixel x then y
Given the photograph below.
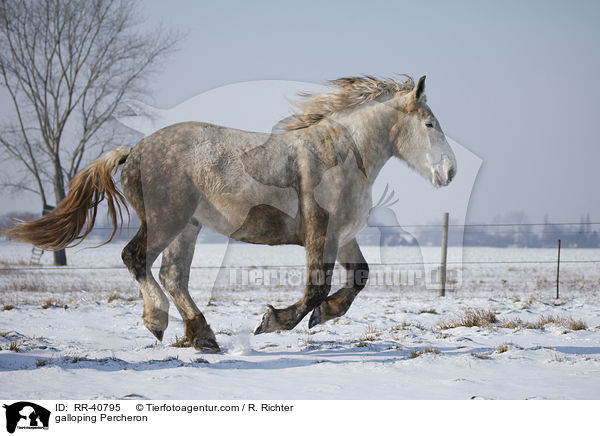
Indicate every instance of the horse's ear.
{"type": "Point", "coordinates": [420, 88]}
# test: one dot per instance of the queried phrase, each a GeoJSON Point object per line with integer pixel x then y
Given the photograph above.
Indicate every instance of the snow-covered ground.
{"type": "Point", "coordinates": [79, 333]}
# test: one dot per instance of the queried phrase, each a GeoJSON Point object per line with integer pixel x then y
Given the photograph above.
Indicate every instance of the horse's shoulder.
{"type": "Point", "coordinates": [273, 162]}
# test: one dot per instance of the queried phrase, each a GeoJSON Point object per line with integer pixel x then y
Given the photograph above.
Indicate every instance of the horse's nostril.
{"type": "Point", "coordinates": [450, 174]}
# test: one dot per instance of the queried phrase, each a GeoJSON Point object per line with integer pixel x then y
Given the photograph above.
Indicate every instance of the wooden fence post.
{"type": "Point", "coordinates": [558, 270]}
{"type": "Point", "coordinates": [444, 255]}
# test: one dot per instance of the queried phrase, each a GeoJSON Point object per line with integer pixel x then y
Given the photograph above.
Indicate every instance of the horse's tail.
{"type": "Point", "coordinates": [65, 224]}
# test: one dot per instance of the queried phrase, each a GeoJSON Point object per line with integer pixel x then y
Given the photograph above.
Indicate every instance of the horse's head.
{"type": "Point", "coordinates": [418, 139]}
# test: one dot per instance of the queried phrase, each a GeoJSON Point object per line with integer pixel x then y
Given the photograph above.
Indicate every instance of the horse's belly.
{"type": "Point", "coordinates": [268, 225]}
{"type": "Point", "coordinates": [253, 222]}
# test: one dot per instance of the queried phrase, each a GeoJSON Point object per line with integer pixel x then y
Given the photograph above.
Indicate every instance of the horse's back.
{"type": "Point", "coordinates": [218, 170]}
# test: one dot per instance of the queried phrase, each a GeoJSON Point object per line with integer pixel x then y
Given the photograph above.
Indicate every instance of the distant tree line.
{"type": "Point", "coordinates": [6, 220]}
{"type": "Point", "coordinates": [582, 235]}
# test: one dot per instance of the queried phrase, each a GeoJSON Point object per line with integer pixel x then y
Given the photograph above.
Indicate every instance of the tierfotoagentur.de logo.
{"type": "Point", "coordinates": [26, 415]}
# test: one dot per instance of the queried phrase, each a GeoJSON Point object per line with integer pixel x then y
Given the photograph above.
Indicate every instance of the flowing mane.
{"type": "Point", "coordinates": [347, 93]}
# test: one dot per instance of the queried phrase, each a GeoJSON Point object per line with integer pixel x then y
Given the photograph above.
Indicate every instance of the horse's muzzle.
{"type": "Point", "coordinates": [443, 172]}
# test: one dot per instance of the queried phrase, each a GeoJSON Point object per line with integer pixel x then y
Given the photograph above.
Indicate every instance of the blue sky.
{"type": "Point", "coordinates": [514, 82]}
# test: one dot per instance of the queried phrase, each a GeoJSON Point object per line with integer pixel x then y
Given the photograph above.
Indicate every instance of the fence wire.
{"type": "Point", "coordinates": [438, 226]}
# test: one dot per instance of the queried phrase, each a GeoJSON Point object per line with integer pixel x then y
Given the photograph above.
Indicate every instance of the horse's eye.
{"type": "Point", "coordinates": [429, 125]}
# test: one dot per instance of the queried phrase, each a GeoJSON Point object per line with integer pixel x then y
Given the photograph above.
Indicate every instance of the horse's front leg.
{"type": "Point", "coordinates": [338, 304]}
{"type": "Point", "coordinates": [321, 251]}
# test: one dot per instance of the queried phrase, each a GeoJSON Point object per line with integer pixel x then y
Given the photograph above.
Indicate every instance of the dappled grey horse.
{"type": "Point", "coordinates": [308, 184]}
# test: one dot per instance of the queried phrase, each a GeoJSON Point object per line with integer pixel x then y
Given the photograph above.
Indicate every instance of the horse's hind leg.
{"type": "Point", "coordinates": [164, 199]}
{"type": "Point", "coordinates": [175, 275]}
{"type": "Point", "coordinates": [156, 232]}
{"type": "Point", "coordinates": [337, 304]}
{"type": "Point", "coordinates": [139, 256]}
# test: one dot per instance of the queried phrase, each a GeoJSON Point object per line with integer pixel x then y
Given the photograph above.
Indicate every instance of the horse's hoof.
{"type": "Point", "coordinates": [156, 322]}
{"type": "Point", "coordinates": [315, 318]}
{"type": "Point", "coordinates": [157, 332]}
{"type": "Point", "coordinates": [265, 325]}
{"type": "Point", "coordinates": [206, 345]}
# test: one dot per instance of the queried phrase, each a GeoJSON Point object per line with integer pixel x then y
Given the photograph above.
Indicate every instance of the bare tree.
{"type": "Point", "coordinates": [66, 65]}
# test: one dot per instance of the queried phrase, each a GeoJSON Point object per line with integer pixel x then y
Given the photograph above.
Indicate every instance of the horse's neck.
{"type": "Point", "coordinates": [369, 126]}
